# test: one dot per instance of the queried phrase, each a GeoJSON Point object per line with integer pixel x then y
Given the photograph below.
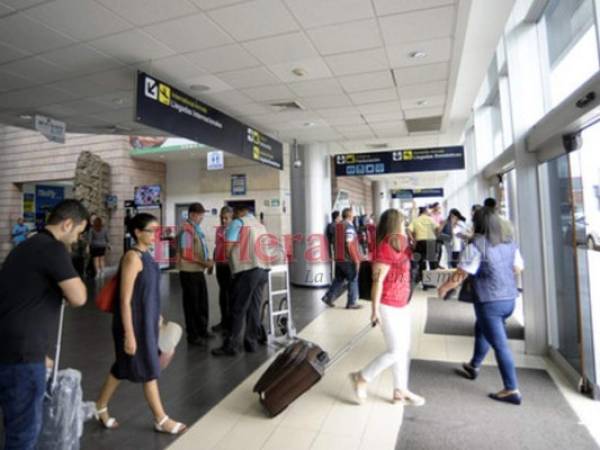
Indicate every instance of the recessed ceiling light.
{"type": "Point", "coordinates": [309, 124]}
{"type": "Point", "coordinates": [421, 102]}
{"type": "Point", "coordinates": [418, 54]}
{"type": "Point", "coordinates": [199, 87]}
{"type": "Point", "coordinates": [26, 116]}
{"type": "Point", "coordinates": [299, 71]}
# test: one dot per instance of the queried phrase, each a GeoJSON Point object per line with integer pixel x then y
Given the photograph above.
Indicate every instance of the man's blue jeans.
{"type": "Point", "coordinates": [22, 388]}
{"type": "Point", "coordinates": [344, 271]}
{"type": "Point", "coordinates": [490, 331]}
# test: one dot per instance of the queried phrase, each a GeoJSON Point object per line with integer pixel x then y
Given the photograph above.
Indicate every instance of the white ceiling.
{"type": "Point", "coordinates": [76, 60]}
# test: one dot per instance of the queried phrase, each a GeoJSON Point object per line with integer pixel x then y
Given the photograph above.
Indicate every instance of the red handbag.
{"type": "Point", "coordinates": [105, 300]}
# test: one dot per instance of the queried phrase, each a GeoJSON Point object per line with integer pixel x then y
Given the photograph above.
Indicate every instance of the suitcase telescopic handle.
{"type": "Point", "coordinates": [54, 375]}
{"type": "Point", "coordinates": [346, 348]}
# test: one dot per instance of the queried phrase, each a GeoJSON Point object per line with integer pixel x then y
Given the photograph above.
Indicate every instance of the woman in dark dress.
{"type": "Point", "coordinates": [135, 328]}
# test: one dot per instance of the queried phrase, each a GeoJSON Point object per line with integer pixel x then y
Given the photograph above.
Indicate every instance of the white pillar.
{"type": "Point", "coordinates": [381, 198]}
{"type": "Point", "coordinates": [311, 208]}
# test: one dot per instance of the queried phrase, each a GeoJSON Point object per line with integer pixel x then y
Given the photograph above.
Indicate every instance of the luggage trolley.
{"type": "Point", "coordinates": [280, 318]}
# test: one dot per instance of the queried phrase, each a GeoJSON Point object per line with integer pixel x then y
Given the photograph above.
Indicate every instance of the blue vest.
{"type": "Point", "coordinates": [495, 280]}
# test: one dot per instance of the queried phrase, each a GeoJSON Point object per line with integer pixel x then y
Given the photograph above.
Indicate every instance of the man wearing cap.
{"type": "Point", "coordinates": [192, 261]}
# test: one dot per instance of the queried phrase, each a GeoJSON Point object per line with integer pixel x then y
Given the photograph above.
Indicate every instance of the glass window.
{"type": "Point", "coordinates": [572, 52]}
{"type": "Point", "coordinates": [496, 118]}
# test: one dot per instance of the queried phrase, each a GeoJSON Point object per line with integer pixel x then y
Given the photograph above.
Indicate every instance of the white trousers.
{"type": "Point", "coordinates": [395, 324]}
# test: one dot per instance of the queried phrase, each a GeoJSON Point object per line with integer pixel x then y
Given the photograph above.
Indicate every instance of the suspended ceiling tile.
{"type": "Point", "coordinates": [255, 19]}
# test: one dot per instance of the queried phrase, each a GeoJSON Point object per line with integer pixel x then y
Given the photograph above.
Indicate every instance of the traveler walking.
{"type": "Point", "coordinates": [19, 232]}
{"type": "Point", "coordinates": [423, 233]}
{"type": "Point", "coordinates": [492, 265]}
{"type": "Point", "coordinates": [135, 328]}
{"type": "Point", "coordinates": [192, 261]}
{"type": "Point", "coordinates": [223, 271]}
{"type": "Point", "coordinates": [34, 279]}
{"type": "Point", "coordinates": [99, 243]}
{"type": "Point", "coordinates": [330, 232]}
{"type": "Point", "coordinates": [508, 231]}
{"type": "Point", "coordinates": [250, 276]}
{"type": "Point", "coordinates": [347, 263]}
{"type": "Point", "coordinates": [390, 295]}
{"type": "Point", "coordinates": [458, 233]}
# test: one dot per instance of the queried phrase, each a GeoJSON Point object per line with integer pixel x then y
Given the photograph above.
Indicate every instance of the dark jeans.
{"type": "Point", "coordinates": [224, 279]}
{"type": "Point", "coordinates": [195, 303]}
{"type": "Point", "coordinates": [490, 331]}
{"type": "Point", "coordinates": [246, 300]}
{"type": "Point", "coordinates": [344, 272]}
{"type": "Point", "coordinates": [22, 389]}
{"type": "Point", "coordinates": [426, 251]}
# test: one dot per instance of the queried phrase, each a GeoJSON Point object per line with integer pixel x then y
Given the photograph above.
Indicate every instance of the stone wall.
{"type": "Point", "coordinates": [92, 184]}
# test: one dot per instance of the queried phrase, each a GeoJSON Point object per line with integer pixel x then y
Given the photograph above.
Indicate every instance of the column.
{"type": "Point", "coordinates": [381, 197]}
{"type": "Point", "coordinates": [311, 209]}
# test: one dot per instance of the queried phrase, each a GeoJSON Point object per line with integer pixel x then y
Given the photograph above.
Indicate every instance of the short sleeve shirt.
{"type": "Point", "coordinates": [396, 285]}
{"type": "Point", "coordinates": [423, 227]}
{"type": "Point", "coordinates": [30, 298]}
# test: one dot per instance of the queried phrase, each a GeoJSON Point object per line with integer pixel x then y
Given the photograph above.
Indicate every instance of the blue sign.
{"type": "Point", "coordinates": [398, 161]}
{"type": "Point", "coordinates": [238, 184]}
{"type": "Point", "coordinates": [46, 198]}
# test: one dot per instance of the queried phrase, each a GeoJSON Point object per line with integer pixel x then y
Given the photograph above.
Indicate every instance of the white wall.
{"type": "Point", "coordinates": [189, 181]}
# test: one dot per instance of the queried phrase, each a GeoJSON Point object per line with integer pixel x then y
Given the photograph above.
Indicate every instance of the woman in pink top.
{"type": "Point", "coordinates": [390, 295]}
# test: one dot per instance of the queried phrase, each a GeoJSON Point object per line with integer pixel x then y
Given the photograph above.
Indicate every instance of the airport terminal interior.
{"type": "Point", "coordinates": [474, 116]}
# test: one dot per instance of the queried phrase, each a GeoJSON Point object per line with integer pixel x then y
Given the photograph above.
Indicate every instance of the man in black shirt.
{"type": "Point", "coordinates": [34, 279]}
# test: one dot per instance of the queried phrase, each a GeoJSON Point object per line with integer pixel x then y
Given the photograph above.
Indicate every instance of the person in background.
{"type": "Point", "coordinates": [223, 271]}
{"type": "Point", "coordinates": [347, 263]}
{"type": "Point", "coordinates": [435, 211]}
{"type": "Point", "coordinates": [192, 261]}
{"type": "Point", "coordinates": [19, 232]}
{"type": "Point", "coordinates": [250, 276]}
{"type": "Point", "coordinates": [508, 232]}
{"type": "Point", "coordinates": [34, 279]}
{"type": "Point", "coordinates": [423, 234]}
{"type": "Point", "coordinates": [99, 243]}
{"type": "Point", "coordinates": [493, 264]}
{"type": "Point", "coordinates": [135, 328]}
{"type": "Point", "coordinates": [390, 296]}
{"type": "Point", "coordinates": [330, 232]}
{"type": "Point", "coordinates": [90, 270]}
{"type": "Point", "coordinates": [458, 229]}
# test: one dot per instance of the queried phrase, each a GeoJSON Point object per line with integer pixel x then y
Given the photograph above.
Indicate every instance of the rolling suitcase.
{"type": "Point", "coordinates": [64, 409]}
{"type": "Point", "coordinates": [299, 367]}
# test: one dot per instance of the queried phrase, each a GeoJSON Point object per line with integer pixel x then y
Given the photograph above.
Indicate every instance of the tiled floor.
{"type": "Point", "coordinates": [326, 417]}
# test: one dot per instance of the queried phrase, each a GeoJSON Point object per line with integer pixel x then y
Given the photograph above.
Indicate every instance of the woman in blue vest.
{"type": "Point", "coordinates": [493, 265]}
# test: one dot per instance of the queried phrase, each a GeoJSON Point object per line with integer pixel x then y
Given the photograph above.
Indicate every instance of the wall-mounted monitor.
{"type": "Point", "coordinates": [147, 195]}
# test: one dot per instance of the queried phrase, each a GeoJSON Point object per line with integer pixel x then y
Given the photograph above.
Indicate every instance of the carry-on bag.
{"type": "Point", "coordinates": [64, 410]}
{"type": "Point", "coordinates": [299, 367]}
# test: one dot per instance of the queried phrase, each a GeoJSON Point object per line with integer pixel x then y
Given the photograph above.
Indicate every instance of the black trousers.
{"type": "Point", "coordinates": [195, 303]}
{"type": "Point", "coordinates": [225, 282]}
{"type": "Point", "coordinates": [426, 251]}
{"type": "Point", "coordinates": [246, 300]}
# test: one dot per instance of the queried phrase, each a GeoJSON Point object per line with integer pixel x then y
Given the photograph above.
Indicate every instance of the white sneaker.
{"type": "Point", "coordinates": [408, 398]}
{"type": "Point", "coordinates": [359, 388]}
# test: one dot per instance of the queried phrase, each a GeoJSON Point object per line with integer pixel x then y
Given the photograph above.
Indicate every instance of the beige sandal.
{"type": "Point", "coordinates": [407, 398]}
{"type": "Point", "coordinates": [177, 429]}
{"type": "Point", "coordinates": [359, 387]}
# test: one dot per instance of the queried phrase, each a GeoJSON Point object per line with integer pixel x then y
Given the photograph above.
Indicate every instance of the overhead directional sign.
{"type": "Point", "coordinates": [160, 105]}
{"type": "Point", "coordinates": [408, 194]}
{"type": "Point", "coordinates": [398, 161]}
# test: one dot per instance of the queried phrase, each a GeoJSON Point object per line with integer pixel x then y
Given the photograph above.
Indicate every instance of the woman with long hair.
{"type": "Point", "coordinates": [135, 327]}
{"type": "Point", "coordinates": [493, 262]}
{"type": "Point", "coordinates": [98, 244]}
{"type": "Point", "coordinates": [390, 295]}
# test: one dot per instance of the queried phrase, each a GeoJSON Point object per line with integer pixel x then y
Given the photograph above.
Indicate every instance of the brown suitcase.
{"type": "Point", "coordinates": [301, 365]}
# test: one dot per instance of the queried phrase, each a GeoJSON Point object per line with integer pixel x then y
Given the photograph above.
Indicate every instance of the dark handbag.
{"type": "Point", "coordinates": [467, 292]}
{"type": "Point", "coordinates": [445, 235]}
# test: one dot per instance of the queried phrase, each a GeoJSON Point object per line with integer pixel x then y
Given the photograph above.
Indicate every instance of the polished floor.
{"type": "Point", "coordinates": [326, 418]}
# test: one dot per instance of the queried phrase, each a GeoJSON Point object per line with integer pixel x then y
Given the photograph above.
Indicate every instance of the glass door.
{"type": "Point", "coordinates": [571, 187]}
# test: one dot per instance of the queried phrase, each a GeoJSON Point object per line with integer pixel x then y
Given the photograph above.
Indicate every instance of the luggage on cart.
{"type": "Point", "coordinates": [299, 367]}
{"type": "Point", "coordinates": [64, 409]}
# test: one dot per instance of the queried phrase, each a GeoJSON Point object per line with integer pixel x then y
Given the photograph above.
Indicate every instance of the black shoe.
{"type": "Point", "coordinates": [469, 372]}
{"type": "Point", "coordinates": [250, 348]}
{"type": "Point", "coordinates": [196, 341]}
{"type": "Point", "coordinates": [224, 351]}
{"type": "Point", "coordinates": [218, 328]}
{"type": "Point", "coordinates": [354, 306]}
{"type": "Point", "coordinates": [208, 335]}
{"type": "Point", "coordinates": [328, 302]}
{"type": "Point", "coordinates": [513, 399]}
